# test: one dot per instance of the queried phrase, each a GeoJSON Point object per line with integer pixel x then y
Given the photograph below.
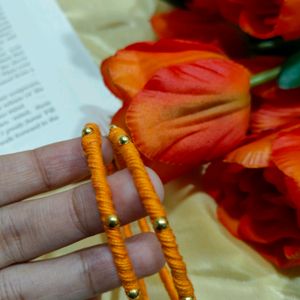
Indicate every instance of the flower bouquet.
{"type": "Point", "coordinates": [221, 87]}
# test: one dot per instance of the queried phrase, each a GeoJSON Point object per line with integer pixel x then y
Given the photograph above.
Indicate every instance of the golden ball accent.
{"type": "Point", "coordinates": [187, 298]}
{"type": "Point", "coordinates": [133, 294]}
{"type": "Point", "coordinates": [86, 131]}
{"type": "Point", "coordinates": [112, 221]}
{"type": "Point", "coordinates": [124, 139]}
{"type": "Point", "coordinates": [160, 223]}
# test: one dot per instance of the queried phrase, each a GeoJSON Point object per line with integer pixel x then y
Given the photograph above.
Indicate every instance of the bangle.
{"type": "Point", "coordinates": [176, 281]}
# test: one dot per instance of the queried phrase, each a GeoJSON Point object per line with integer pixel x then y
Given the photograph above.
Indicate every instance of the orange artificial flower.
{"type": "Point", "coordinates": [186, 24]}
{"type": "Point", "coordinates": [264, 19]}
{"type": "Point", "coordinates": [126, 73]}
{"type": "Point", "coordinates": [272, 107]}
{"type": "Point", "coordinates": [257, 188]}
{"type": "Point", "coordinates": [284, 109]}
{"type": "Point", "coordinates": [183, 105]}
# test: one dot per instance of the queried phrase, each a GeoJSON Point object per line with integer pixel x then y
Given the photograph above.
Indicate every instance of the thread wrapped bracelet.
{"type": "Point", "coordinates": [176, 281]}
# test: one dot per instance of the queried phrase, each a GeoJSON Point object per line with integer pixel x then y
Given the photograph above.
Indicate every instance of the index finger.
{"type": "Point", "coordinates": [26, 174]}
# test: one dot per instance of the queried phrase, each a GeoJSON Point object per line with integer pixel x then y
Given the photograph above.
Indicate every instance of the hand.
{"type": "Point", "coordinates": [29, 229]}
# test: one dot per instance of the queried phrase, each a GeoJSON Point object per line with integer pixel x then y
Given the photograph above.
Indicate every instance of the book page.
{"type": "Point", "coordinates": [49, 85]}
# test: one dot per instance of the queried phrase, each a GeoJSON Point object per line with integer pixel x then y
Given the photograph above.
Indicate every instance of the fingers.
{"type": "Point", "coordinates": [79, 275]}
{"type": "Point", "coordinates": [32, 228]}
{"type": "Point", "coordinates": [28, 173]}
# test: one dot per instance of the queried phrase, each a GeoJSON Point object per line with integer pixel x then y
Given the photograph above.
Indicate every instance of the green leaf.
{"type": "Point", "coordinates": [265, 76]}
{"type": "Point", "coordinates": [289, 77]}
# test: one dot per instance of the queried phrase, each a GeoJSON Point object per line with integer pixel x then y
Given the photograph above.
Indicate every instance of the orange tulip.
{"type": "Point", "coordinates": [185, 24]}
{"type": "Point", "coordinates": [264, 19]}
{"type": "Point", "coordinates": [257, 188]}
{"type": "Point", "coordinates": [126, 73]}
{"type": "Point", "coordinates": [273, 107]}
{"type": "Point", "coordinates": [183, 106]}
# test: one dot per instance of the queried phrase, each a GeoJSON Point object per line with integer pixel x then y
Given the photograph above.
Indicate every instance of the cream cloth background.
{"type": "Point", "coordinates": [220, 266]}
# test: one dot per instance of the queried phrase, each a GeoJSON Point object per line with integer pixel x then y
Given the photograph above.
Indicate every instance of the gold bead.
{"type": "Point", "coordinates": [160, 223]}
{"type": "Point", "coordinates": [133, 294]}
{"type": "Point", "coordinates": [86, 131]}
{"type": "Point", "coordinates": [112, 221]}
{"type": "Point", "coordinates": [112, 126]}
{"type": "Point", "coordinates": [187, 298]}
{"type": "Point", "coordinates": [124, 139]}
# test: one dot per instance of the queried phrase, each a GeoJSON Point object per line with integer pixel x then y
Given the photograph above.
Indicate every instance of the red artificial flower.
{"type": "Point", "coordinates": [184, 105]}
{"type": "Point", "coordinates": [264, 19]}
{"type": "Point", "coordinates": [274, 115]}
{"type": "Point", "coordinates": [257, 189]}
{"type": "Point", "coordinates": [205, 7]}
{"type": "Point", "coordinates": [185, 24]}
{"type": "Point", "coordinates": [273, 107]}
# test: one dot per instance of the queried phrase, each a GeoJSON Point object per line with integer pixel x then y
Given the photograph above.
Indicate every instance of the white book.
{"type": "Point", "coordinates": [49, 84]}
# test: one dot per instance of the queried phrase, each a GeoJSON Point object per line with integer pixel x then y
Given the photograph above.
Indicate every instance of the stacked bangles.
{"type": "Point", "coordinates": [176, 282]}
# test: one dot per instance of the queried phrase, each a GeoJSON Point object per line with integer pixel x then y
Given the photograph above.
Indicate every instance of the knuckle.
{"type": "Point", "coordinates": [41, 170]}
{"type": "Point", "coordinates": [87, 271]}
{"type": "Point", "coordinates": [79, 211]}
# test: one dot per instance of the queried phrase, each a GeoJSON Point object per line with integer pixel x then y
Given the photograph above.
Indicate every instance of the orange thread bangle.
{"type": "Point", "coordinates": [128, 233]}
{"type": "Point", "coordinates": [127, 151]}
{"type": "Point", "coordinates": [164, 273]}
{"type": "Point", "coordinates": [91, 142]}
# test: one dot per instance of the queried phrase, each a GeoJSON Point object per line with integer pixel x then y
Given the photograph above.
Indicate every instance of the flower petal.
{"type": "Point", "coordinates": [205, 7]}
{"type": "Point", "coordinates": [264, 19]}
{"type": "Point", "coordinates": [292, 252]}
{"type": "Point", "coordinates": [253, 155]}
{"type": "Point", "coordinates": [285, 153]}
{"type": "Point", "coordinates": [126, 73]}
{"type": "Point", "coordinates": [167, 45]}
{"type": "Point", "coordinates": [231, 223]}
{"type": "Point", "coordinates": [275, 177]}
{"type": "Point", "coordinates": [257, 154]}
{"type": "Point", "coordinates": [271, 116]}
{"type": "Point", "coordinates": [268, 91]}
{"type": "Point", "coordinates": [256, 231]}
{"type": "Point", "coordinates": [293, 191]}
{"type": "Point", "coordinates": [166, 172]}
{"type": "Point", "coordinates": [120, 116]}
{"type": "Point", "coordinates": [260, 63]}
{"type": "Point", "coordinates": [192, 112]}
{"type": "Point", "coordinates": [197, 26]}
{"type": "Point", "coordinates": [277, 253]}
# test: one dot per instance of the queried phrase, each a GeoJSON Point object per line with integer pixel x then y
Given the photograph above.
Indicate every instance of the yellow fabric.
{"type": "Point", "coordinates": [220, 266]}
{"type": "Point", "coordinates": [107, 25]}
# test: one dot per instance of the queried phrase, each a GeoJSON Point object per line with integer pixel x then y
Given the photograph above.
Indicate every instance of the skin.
{"type": "Point", "coordinates": [29, 229]}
